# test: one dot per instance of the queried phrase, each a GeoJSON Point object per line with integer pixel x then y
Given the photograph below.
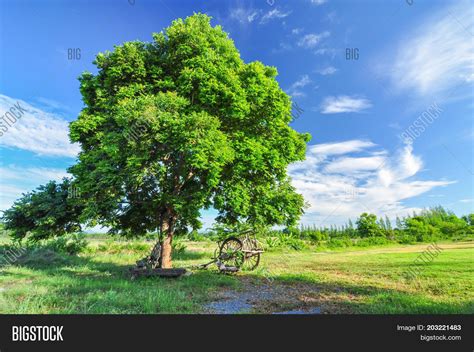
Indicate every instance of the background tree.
{"type": "Point", "coordinates": [182, 124]}
{"type": "Point", "coordinates": [51, 210]}
{"type": "Point", "coordinates": [367, 226]}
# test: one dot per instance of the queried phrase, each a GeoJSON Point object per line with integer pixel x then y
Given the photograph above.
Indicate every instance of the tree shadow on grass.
{"type": "Point", "coordinates": [298, 292]}
{"type": "Point", "coordinates": [60, 283]}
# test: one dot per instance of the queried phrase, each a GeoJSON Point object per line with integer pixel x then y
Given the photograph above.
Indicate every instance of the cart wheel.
{"type": "Point", "coordinates": [230, 253]}
{"type": "Point", "coordinates": [251, 262]}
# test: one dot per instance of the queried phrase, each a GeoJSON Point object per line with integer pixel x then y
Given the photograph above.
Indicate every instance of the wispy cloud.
{"type": "Point", "coordinates": [467, 200]}
{"type": "Point", "coordinates": [310, 41]}
{"type": "Point", "coordinates": [318, 2]}
{"type": "Point", "coordinates": [343, 179]}
{"type": "Point", "coordinates": [47, 104]}
{"type": "Point", "coordinates": [296, 88]}
{"type": "Point", "coordinates": [274, 14]}
{"type": "Point", "coordinates": [244, 15]}
{"type": "Point", "coordinates": [437, 56]}
{"type": "Point", "coordinates": [344, 104]}
{"type": "Point", "coordinates": [247, 15]}
{"type": "Point", "coordinates": [337, 148]}
{"type": "Point", "coordinates": [296, 30]}
{"type": "Point", "coordinates": [331, 52]}
{"type": "Point", "coordinates": [16, 180]}
{"type": "Point", "coordinates": [330, 70]}
{"type": "Point", "coordinates": [38, 131]}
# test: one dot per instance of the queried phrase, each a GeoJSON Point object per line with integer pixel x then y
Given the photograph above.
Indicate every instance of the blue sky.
{"type": "Point", "coordinates": [392, 123]}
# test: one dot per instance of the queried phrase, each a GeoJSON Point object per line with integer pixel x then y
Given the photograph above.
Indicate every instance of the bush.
{"type": "Point", "coordinates": [371, 241]}
{"type": "Point", "coordinates": [113, 247]}
{"type": "Point", "coordinates": [289, 241]}
{"type": "Point", "coordinates": [405, 238]}
{"type": "Point", "coordinates": [339, 242]}
{"type": "Point", "coordinates": [178, 247]}
{"type": "Point", "coordinates": [69, 244]}
{"type": "Point", "coordinates": [271, 242]}
{"type": "Point", "coordinates": [195, 236]}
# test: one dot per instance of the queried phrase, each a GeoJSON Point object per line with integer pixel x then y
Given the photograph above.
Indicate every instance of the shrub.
{"type": "Point", "coordinates": [289, 241]}
{"type": "Point", "coordinates": [271, 242]}
{"type": "Point", "coordinates": [317, 236]}
{"type": "Point", "coordinates": [339, 242]}
{"type": "Point", "coordinates": [113, 247]}
{"type": "Point", "coordinates": [405, 238]}
{"type": "Point", "coordinates": [371, 241]}
{"type": "Point", "coordinates": [196, 236]}
{"type": "Point", "coordinates": [69, 244]}
{"type": "Point", "coordinates": [178, 247]}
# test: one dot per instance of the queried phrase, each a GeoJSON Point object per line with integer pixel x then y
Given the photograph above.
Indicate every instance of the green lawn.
{"type": "Point", "coordinates": [350, 281]}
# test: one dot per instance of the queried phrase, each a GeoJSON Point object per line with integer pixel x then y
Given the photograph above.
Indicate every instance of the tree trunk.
{"type": "Point", "coordinates": [166, 248]}
{"type": "Point", "coordinates": [166, 252]}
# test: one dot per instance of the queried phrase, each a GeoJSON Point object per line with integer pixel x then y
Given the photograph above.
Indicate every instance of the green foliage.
{"type": "Point", "coordinates": [339, 242]}
{"type": "Point", "coordinates": [271, 242]}
{"type": "Point", "coordinates": [51, 210]}
{"type": "Point", "coordinates": [430, 225]}
{"type": "Point", "coordinates": [195, 236]}
{"type": "Point", "coordinates": [170, 128]}
{"type": "Point", "coordinates": [371, 241]}
{"type": "Point", "coordinates": [421, 230]}
{"type": "Point", "coordinates": [291, 242]}
{"type": "Point", "coordinates": [178, 247]}
{"type": "Point", "coordinates": [181, 124]}
{"type": "Point", "coordinates": [367, 226]}
{"type": "Point", "coordinates": [469, 219]}
{"type": "Point", "coordinates": [70, 244]}
{"type": "Point", "coordinates": [114, 247]}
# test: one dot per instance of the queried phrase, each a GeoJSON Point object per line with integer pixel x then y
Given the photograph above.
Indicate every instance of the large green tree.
{"type": "Point", "coordinates": [182, 124]}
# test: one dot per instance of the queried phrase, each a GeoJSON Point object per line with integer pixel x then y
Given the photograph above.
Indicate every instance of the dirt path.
{"type": "Point", "coordinates": [266, 298]}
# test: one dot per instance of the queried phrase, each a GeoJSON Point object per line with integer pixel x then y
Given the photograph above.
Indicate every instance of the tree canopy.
{"type": "Point", "coordinates": [182, 124]}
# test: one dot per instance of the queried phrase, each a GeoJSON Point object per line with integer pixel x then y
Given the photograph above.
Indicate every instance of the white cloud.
{"type": "Point", "coordinates": [343, 179]}
{"type": "Point", "coordinates": [37, 131]}
{"type": "Point", "coordinates": [327, 70]}
{"type": "Point", "coordinates": [326, 51]}
{"type": "Point", "coordinates": [437, 56]}
{"type": "Point", "coordinates": [16, 180]}
{"type": "Point", "coordinates": [344, 103]}
{"type": "Point", "coordinates": [310, 41]}
{"type": "Point", "coordinates": [274, 14]}
{"type": "Point", "coordinates": [295, 89]}
{"type": "Point", "coordinates": [468, 200]}
{"type": "Point", "coordinates": [244, 15]}
{"type": "Point", "coordinates": [318, 2]}
{"type": "Point", "coordinates": [51, 105]}
{"type": "Point", "coordinates": [349, 164]}
{"type": "Point", "coordinates": [351, 146]}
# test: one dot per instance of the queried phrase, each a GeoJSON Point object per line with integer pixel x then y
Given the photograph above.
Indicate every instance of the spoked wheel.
{"type": "Point", "coordinates": [230, 253]}
{"type": "Point", "coordinates": [251, 260]}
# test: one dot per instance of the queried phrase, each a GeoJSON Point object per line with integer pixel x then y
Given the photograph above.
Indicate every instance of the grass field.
{"type": "Point", "coordinates": [344, 281]}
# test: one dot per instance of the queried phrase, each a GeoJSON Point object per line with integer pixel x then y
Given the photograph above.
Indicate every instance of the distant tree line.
{"type": "Point", "coordinates": [427, 225]}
